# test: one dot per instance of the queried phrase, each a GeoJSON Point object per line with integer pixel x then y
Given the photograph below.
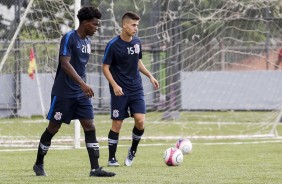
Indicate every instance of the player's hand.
{"type": "Point", "coordinates": [154, 82]}
{"type": "Point", "coordinates": [118, 90]}
{"type": "Point", "coordinates": [87, 90]}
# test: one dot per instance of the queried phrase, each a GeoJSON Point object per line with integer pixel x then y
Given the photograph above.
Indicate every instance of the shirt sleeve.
{"type": "Point", "coordinates": [108, 55]}
{"type": "Point", "coordinates": [66, 45]}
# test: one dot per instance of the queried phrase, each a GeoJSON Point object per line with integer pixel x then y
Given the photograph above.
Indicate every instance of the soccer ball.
{"type": "Point", "coordinates": [173, 157]}
{"type": "Point", "coordinates": [184, 145]}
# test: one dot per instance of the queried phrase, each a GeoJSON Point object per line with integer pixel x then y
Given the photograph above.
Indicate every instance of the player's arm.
{"type": "Point", "coordinates": [70, 71]}
{"type": "Point", "coordinates": [117, 89]}
{"type": "Point", "coordinates": [144, 70]}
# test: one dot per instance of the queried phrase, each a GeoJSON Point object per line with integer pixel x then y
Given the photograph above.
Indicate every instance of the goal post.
{"type": "Point", "coordinates": [15, 35]}
{"type": "Point", "coordinates": [77, 6]}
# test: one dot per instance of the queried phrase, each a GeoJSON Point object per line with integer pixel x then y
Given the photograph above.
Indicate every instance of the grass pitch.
{"type": "Point", "coordinates": [252, 161]}
{"type": "Point", "coordinates": [244, 161]}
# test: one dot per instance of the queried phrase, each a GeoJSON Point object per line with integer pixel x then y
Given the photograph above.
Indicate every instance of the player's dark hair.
{"type": "Point", "coordinates": [88, 13]}
{"type": "Point", "coordinates": [130, 15]}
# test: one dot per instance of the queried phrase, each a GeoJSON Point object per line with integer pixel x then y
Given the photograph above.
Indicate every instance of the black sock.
{"type": "Point", "coordinates": [136, 137]}
{"type": "Point", "coordinates": [92, 146]}
{"type": "Point", "coordinates": [44, 144]}
{"type": "Point", "coordinates": [112, 144]}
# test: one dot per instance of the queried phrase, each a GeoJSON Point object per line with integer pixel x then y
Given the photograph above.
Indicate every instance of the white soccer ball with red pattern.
{"type": "Point", "coordinates": [173, 157]}
{"type": "Point", "coordinates": [184, 145]}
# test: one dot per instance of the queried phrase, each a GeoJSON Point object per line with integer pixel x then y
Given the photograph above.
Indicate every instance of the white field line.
{"type": "Point", "coordinates": [148, 122]}
{"type": "Point", "coordinates": [25, 121]}
{"type": "Point", "coordinates": [13, 140]}
{"type": "Point", "coordinates": [208, 123]}
{"type": "Point", "coordinates": [154, 144]}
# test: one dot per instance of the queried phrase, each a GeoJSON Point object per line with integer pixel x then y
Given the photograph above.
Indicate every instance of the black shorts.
{"type": "Point", "coordinates": [63, 110]}
{"type": "Point", "coordinates": [121, 104]}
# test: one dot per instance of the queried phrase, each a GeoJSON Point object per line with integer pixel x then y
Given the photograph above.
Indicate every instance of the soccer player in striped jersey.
{"type": "Point", "coordinates": [71, 96]}
{"type": "Point", "coordinates": [122, 65]}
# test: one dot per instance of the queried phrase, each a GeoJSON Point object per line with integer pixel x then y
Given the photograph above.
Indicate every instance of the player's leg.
{"type": "Point", "coordinates": [44, 145]}
{"type": "Point", "coordinates": [113, 138]}
{"type": "Point", "coordinates": [61, 110]}
{"type": "Point", "coordinates": [84, 113]}
{"type": "Point", "coordinates": [119, 105]}
{"type": "Point", "coordinates": [91, 142]}
{"type": "Point", "coordinates": [137, 131]}
{"type": "Point", "coordinates": [92, 146]}
{"type": "Point", "coordinates": [137, 109]}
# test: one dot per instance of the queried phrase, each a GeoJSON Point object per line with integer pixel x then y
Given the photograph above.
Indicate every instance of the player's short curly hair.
{"type": "Point", "coordinates": [88, 13]}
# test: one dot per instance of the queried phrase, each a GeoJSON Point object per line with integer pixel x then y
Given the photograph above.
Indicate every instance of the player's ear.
{"type": "Point", "coordinates": [123, 24]}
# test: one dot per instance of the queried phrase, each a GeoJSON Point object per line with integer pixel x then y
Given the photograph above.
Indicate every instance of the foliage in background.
{"type": "Point", "coordinates": [213, 16]}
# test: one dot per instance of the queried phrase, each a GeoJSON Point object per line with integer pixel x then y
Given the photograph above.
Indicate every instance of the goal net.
{"type": "Point", "coordinates": [217, 63]}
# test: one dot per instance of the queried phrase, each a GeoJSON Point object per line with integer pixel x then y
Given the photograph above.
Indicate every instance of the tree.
{"type": "Point", "coordinates": [48, 19]}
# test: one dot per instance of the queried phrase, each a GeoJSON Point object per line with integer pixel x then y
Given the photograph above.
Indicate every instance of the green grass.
{"type": "Point", "coordinates": [211, 161]}
{"type": "Point", "coordinates": [208, 163]}
{"type": "Point", "coordinates": [187, 124]}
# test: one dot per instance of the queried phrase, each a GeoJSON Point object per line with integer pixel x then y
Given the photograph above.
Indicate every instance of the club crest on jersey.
{"type": "Point", "coordinates": [115, 113]}
{"type": "Point", "coordinates": [136, 48]}
{"type": "Point", "coordinates": [58, 116]}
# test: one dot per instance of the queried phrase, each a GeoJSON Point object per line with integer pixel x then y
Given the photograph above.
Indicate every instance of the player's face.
{"type": "Point", "coordinates": [92, 26]}
{"type": "Point", "coordinates": [131, 26]}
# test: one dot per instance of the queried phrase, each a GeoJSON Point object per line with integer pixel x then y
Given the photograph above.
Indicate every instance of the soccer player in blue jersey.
{"type": "Point", "coordinates": [70, 96]}
{"type": "Point", "coordinates": [122, 65]}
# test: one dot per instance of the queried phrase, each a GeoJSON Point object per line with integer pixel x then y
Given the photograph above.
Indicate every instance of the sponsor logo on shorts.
{"type": "Point", "coordinates": [58, 116]}
{"type": "Point", "coordinates": [115, 113]}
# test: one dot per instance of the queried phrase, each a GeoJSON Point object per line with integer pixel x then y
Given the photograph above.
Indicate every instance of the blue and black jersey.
{"type": "Point", "coordinates": [79, 51]}
{"type": "Point", "coordinates": [123, 59]}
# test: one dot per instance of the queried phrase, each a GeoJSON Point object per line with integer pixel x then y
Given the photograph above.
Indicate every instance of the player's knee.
{"type": "Point", "coordinates": [53, 128]}
{"type": "Point", "coordinates": [139, 124]}
{"type": "Point", "coordinates": [88, 129]}
{"type": "Point", "coordinates": [116, 126]}
{"type": "Point", "coordinates": [87, 125]}
{"type": "Point", "coordinates": [53, 131]}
